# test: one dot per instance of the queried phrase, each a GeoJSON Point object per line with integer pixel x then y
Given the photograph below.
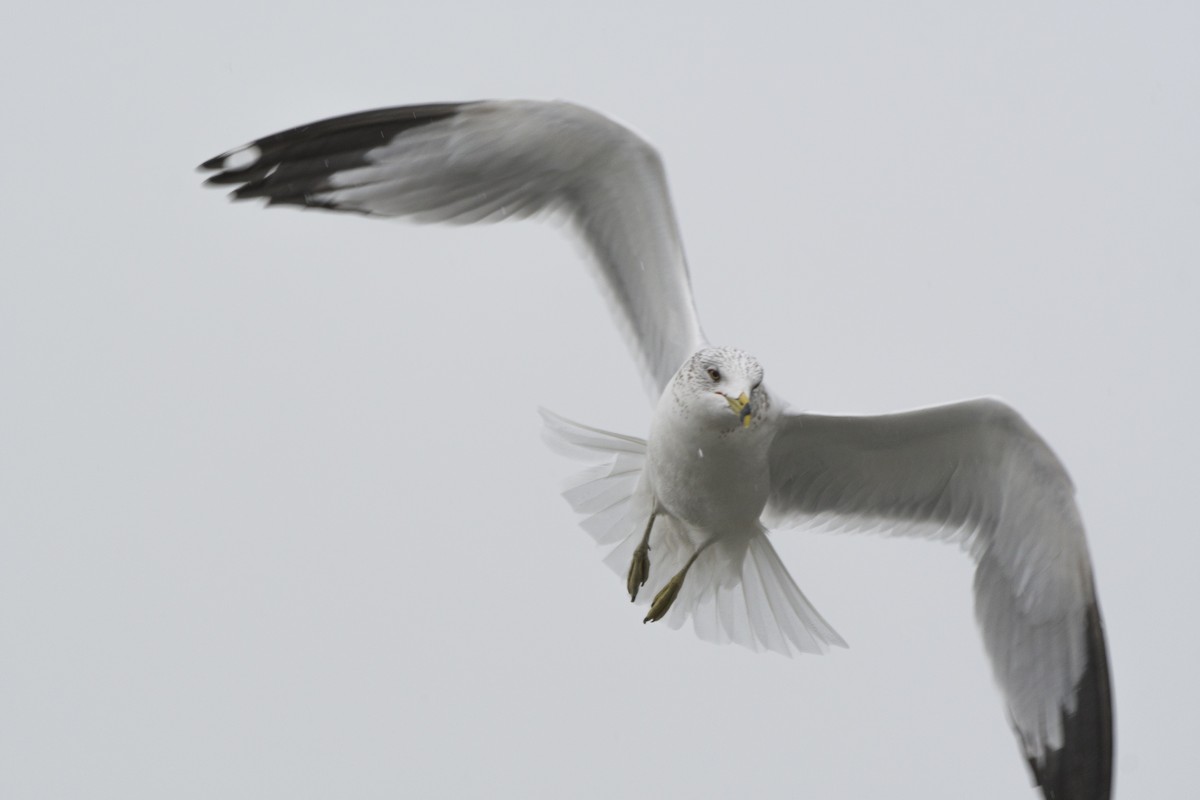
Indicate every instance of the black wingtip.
{"type": "Point", "coordinates": [228, 177]}
{"type": "Point", "coordinates": [1082, 769]}
{"type": "Point", "coordinates": [294, 167]}
{"type": "Point", "coordinates": [214, 163]}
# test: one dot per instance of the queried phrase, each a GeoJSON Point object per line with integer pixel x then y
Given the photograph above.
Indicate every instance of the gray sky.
{"type": "Point", "coordinates": [243, 554]}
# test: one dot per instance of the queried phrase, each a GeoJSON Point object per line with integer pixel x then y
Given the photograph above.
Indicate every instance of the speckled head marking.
{"type": "Point", "coordinates": [719, 381]}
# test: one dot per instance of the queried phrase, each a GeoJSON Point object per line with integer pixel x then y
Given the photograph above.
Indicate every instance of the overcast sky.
{"type": "Point", "coordinates": [275, 517]}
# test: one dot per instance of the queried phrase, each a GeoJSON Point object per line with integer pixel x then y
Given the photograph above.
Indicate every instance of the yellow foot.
{"type": "Point", "coordinates": [639, 570]}
{"type": "Point", "coordinates": [639, 567]}
{"type": "Point", "coordinates": [665, 597]}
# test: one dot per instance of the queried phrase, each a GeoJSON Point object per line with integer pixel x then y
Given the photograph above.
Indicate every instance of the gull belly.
{"type": "Point", "coordinates": [719, 494]}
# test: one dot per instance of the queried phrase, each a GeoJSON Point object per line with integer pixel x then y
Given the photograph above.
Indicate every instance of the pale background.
{"type": "Point", "coordinates": [275, 518]}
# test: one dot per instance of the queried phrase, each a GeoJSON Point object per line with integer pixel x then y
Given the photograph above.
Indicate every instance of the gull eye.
{"type": "Point", "coordinates": [714, 374]}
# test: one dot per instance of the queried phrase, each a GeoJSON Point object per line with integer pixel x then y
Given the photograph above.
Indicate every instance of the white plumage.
{"type": "Point", "coordinates": [722, 453]}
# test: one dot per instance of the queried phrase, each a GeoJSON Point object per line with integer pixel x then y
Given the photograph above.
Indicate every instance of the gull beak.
{"type": "Point", "coordinates": [741, 406]}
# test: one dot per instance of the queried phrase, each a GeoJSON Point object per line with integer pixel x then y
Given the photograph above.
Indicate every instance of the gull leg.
{"type": "Point", "coordinates": [666, 596]}
{"type": "Point", "coordinates": [639, 566]}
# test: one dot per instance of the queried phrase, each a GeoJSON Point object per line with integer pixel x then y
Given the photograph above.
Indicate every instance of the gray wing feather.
{"type": "Point", "coordinates": [977, 473]}
{"type": "Point", "coordinates": [497, 160]}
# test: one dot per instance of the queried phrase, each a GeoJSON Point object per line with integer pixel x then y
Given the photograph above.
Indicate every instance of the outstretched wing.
{"type": "Point", "coordinates": [490, 161]}
{"type": "Point", "coordinates": [976, 473]}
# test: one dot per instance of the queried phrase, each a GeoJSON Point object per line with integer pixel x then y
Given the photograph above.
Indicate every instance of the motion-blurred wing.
{"type": "Point", "coordinates": [976, 473]}
{"type": "Point", "coordinates": [489, 161]}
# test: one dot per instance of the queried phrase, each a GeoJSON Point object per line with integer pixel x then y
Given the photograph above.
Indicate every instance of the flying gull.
{"type": "Point", "coordinates": [687, 509]}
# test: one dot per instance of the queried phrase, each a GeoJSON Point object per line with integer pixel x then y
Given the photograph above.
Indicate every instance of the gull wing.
{"type": "Point", "coordinates": [977, 473]}
{"type": "Point", "coordinates": [495, 160]}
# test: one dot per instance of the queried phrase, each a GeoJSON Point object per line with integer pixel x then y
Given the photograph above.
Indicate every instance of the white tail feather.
{"type": "Point", "coordinates": [736, 591]}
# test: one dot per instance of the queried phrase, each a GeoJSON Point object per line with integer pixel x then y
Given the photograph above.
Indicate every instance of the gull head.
{"type": "Point", "coordinates": [722, 387]}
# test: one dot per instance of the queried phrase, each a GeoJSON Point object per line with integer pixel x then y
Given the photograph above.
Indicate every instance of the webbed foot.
{"type": "Point", "coordinates": [639, 566]}
{"type": "Point", "coordinates": [639, 570]}
{"type": "Point", "coordinates": [665, 597]}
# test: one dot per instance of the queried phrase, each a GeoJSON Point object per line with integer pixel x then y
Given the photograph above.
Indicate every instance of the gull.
{"type": "Point", "coordinates": [688, 509]}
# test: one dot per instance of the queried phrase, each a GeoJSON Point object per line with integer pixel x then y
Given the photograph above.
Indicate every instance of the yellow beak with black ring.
{"type": "Point", "coordinates": [741, 406]}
